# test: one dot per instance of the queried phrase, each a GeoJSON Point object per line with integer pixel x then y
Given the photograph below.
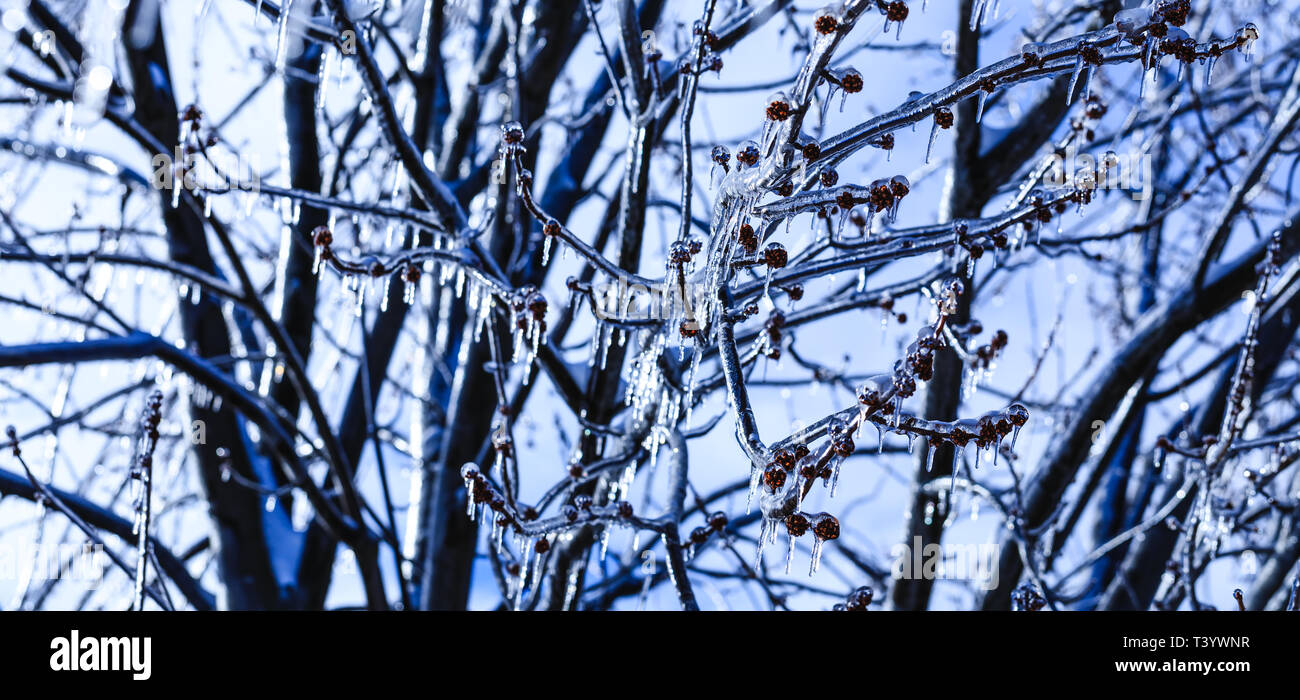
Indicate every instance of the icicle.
{"type": "Point", "coordinates": [976, 14]}
{"type": "Point", "coordinates": [281, 39]}
{"type": "Point", "coordinates": [323, 80]}
{"type": "Point", "coordinates": [525, 547]}
{"type": "Point", "coordinates": [1087, 81]}
{"type": "Point", "coordinates": [816, 556]}
{"type": "Point", "coordinates": [672, 576]}
{"type": "Point", "coordinates": [469, 498]}
{"type": "Point", "coordinates": [762, 540]}
{"type": "Point", "coordinates": [270, 503]}
{"type": "Point", "coordinates": [979, 105]}
{"type": "Point", "coordinates": [893, 209]}
{"type": "Point", "coordinates": [958, 459]}
{"type": "Point", "coordinates": [753, 488]}
{"type": "Point", "coordinates": [929, 454]}
{"type": "Point", "coordinates": [1248, 35]}
{"type": "Point", "coordinates": [836, 461]}
{"type": "Point", "coordinates": [546, 250]}
{"type": "Point", "coordinates": [789, 553]}
{"type": "Point", "coordinates": [934, 134]}
{"type": "Point", "coordinates": [607, 335]}
{"type": "Point", "coordinates": [1074, 79]}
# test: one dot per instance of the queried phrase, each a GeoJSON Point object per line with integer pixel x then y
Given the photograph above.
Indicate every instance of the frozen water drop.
{"type": "Point", "coordinates": [934, 134]}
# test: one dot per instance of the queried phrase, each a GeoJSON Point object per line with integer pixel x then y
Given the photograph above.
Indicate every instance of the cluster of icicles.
{"type": "Point", "coordinates": [829, 19]}
{"type": "Point", "coordinates": [791, 471]}
{"type": "Point", "coordinates": [987, 431]}
{"type": "Point", "coordinates": [784, 484]}
{"type": "Point", "coordinates": [881, 397]}
{"type": "Point", "coordinates": [1221, 508]}
{"type": "Point", "coordinates": [1158, 31]}
{"type": "Point", "coordinates": [777, 512]}
{"type": "Point", "coordinates": [883, 393]}
{"type": "Point", "coordinates": [526, 306]}
{"type": "Point", "coordinates": [650, 396]}
{"type": "Point", "coordinates": [486, 503]}
{"type": "Point", "coordinates": [786, 480]}
{"type": "Point", "coordinates": [360, 283]}
{"type": "Point", "coordinates": [1010, 237]}
{"type": "Point", "coordinates": [483, 500]}
{"type": "Point", "coordinates": [782, 499]}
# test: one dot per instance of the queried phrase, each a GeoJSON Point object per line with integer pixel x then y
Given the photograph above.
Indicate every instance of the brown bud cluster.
{"type": "Point", "coordinates": [826, 526]}
{"type": "Point", "coordinates": [943, 117]}
{"type": "Point", "coordinates": [748, 155]}
{"type": "Point", "coordinates": [779, 110]}
{"type": "Point", "coordinates": [796, 524]}
{"type": "Point", "coordinates": [775, 256]}
{"type": "Point", "coordinates": [747, 239]}
{"type": "Point", "coordinates": [826, 22]}
{"type": "Point", "coordinates": [896, 11]}
{"type": "Point", "coordinates": [1175, 12]}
